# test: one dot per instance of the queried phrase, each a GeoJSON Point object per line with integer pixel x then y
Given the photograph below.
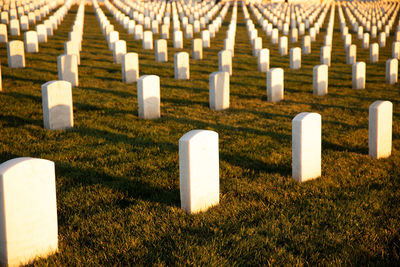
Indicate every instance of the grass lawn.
{"type": "Point", "coordinates": [117, 176]}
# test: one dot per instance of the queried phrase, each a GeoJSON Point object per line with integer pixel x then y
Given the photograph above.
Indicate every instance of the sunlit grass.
{"type": "Point", "coordinates": [118, 176]}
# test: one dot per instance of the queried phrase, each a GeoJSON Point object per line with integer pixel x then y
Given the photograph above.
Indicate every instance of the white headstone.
{"type": "Point", "coordinates": [161, 50]}
{"type": "Point", "coordinates": [306, 146]}
{"type": "Point", "coordinates": [365, 42]}
{"type": "Point", "coordinates": [72, 48]}
{"type": "Point", "coordinates": [67, 66]}
{"type": "Point", "coordinates": [225, 61]}
{"type": "Point", "coordinates": [165, 31]}
{"type": "Point", "coordinates": [42, 33]}
{"type": "Point", "coordinates": [326, 55]}
{"type": "Point", "coordinates": [396, 50]}
{"type": "Point", "coordinates": [347, 41]}
{"type": "Point", "coordinates": [320, 79]}
{"type": "Point", "coordinates": [14, 27]}
{"type": "Point", "coordinates": [197, 49]}
{"type": "Point", "coordinates": [119, 51]}
{"type": "Point", "coordinates": [263, 60]}
{"type": "Point", "coordinates": [283, 45]}
{"type": "Point", "coordinates": [205, 36]}
{"type": "Point", "coordinates": [130, 67]}
{"type": "Point", "coordinates": [178, 39]}
{"type": "Point", "coordinates": [138, 32]}
{"type": "Point", "coordinates": [358, 75]}
{"type": "Point", "coordinates": [3, 33]}
{"type": "Point", "coordinates": [31, 42]}
{"type": "Point", "coordinates": [382, 39]}
{"type": "Point", "coordinates": [351, 56]}
{"type": "Point", "coordinates": [57, 105]}
{"type": "Point", "coordinates": [295, 58]}
{"type": "Point", "coordinates": [275, 85]}
{"type": "Point", "coordinates": [29, 211]}
{"type": "Point", "coordinates": [306, 45]}
{"type": "Point", "coordinates": [189, 31]}
{"type": "Point", "coordinates": [24, 23]}
{"type": "Point", "coordinates": [199, 170]}
{"type": "Point", "coordinates": [16, 54]}
{"type": "Point", "coordinates": [154, 26]}
{"type": "Point", "coordinates": [380, 129]}
{"type": "Point", "coordinates": [294, 35]}
{"type": "Point", "coordinates": [374, 53]}
{"type": "Point", "coordinates": [219, 90]}
{"type": "Point", "coordinates": [181, 61]}
{"type": "Point", "coordinates": [257, 46]}
{"type": "Point", "coordinates": [392, 70]}
{"type": "Point", "coordinates": [112, 38]}
{"type": "Point", "coordinates": [148, 40]}
{"type": "Point", "coordinates": [275, 36]}
{"type": "Point", "coordinates": [149, 96]}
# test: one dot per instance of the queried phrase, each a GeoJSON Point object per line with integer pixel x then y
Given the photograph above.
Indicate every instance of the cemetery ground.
{"type": "Point", "coordinates": [117, 176]}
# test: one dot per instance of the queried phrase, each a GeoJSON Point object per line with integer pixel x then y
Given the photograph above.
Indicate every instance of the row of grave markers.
{"type": "Point", "coordinates": [28, 192]}
{"type": "Point", "coordinates": [198, 153]}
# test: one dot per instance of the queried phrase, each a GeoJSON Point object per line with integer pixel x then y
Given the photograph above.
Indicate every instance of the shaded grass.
{"type": "Point", "coordinates": [118, 179]}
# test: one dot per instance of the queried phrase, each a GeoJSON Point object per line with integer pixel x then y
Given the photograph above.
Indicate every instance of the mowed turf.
{"type": "Point", "coordinates": [117, 175]}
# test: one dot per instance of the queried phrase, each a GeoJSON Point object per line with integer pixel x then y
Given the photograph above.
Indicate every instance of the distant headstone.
{"type": "Point", "coordinates": [396, 50]}
{"type": "Point", "coordinates": [3, 33]}
{"type": "Point", "coordinates": [275, 36]}
{"type": "Point", "coordinates": [295, 58]}
{"type": "Point", "coordinates": [165, 31]}
{"type": "Point", "coordinates": [14, 27]}
{"type": "Point", "coordinates": [112, 38]}
{"type": "Point", "coordinates": [225, 61]}
{"type": "Point", "coordinates": [283, 45]}
{"type": "Point", "coordinates": [257, 46]}
{"type": "Point", "coordinates": [29, 211]}
{"type": "Point", "coordinates": [392, 70]}
{"type": "Point", "coordinates": [351, 56]}
{"type": "Point", "coordinates": [374, 53]}
{"type": "Point", "coordinates": [306, 146]}
{"type": "Point", "coordinates": [130, 67]}
{"type": "Point", "coordinates": [119, 51]}
{"type": "Point", "coordinates": [138, 32]}
{"type": "Point", "coordinates": [306, 45]}
{"type": "Point", "coordinates": [57, 105]}
{"type": "Point", "coordinates": [42, 33]}
{"type": "Point", "coordinates": [205, 36]}
{"type": "Point", "coordinates": [358, 75]}
{"type": "Point", "coordinates": [263, 60]}
{"type": "Point", "coordinates": [326, 55]}
{"type": "Point", "coordinates": [320, 79]}
{"type": "Point", "coordinates": [161, 50]}
{"type": "Point", "coordinates": [24, 23]}
{"type": "Point", "coordinates": [294, 35]}
{"type": "Point", "coordinates": [31, 42]}
{"type": "Point", "coordinates": [178, 39]}
{"type": "Point", "coordinates": [197, 49]}
{"type": "Point", "coordinates": [148, 40]}
{"type": "Point", "coordinates": [382, 39]}
{"type": "Point", "coordinates": [275, 87]}
{"type": "Point", "coordinates": [72, 48]}
{"type": "Point", "coordinates": [67, 66]}
{"type": "Point", "coordinates": [219, 90]}
{"type": "Point", "coordinates": [189, 31]}
{"type": "Point", "coordinates": [149, 96]}
{"type": "Point", "coordinates": [181, 61]}
{"type": "Point", "coordinates": [199, 170]}
{"type": "Point", "coordinates": [380, 129]}
{"type": "Point", "coordinates": [16, 54]}
{"type": "Point", "coordinates": [365, 42]}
